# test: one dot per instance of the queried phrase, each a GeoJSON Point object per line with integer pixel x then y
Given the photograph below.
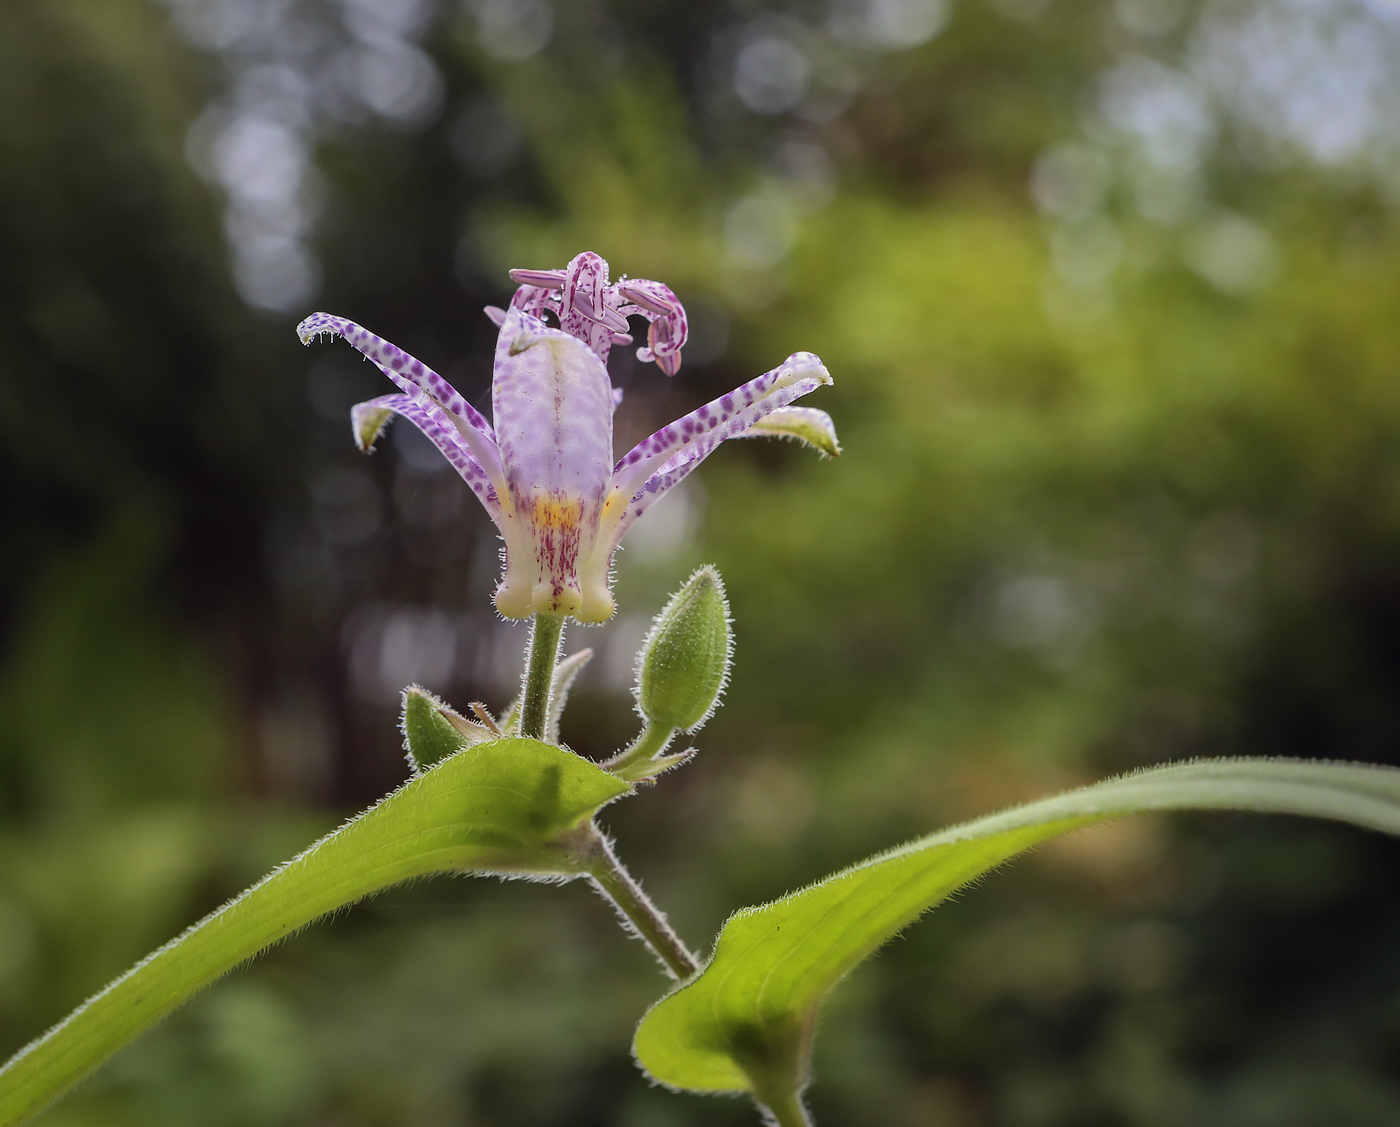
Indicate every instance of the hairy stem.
{"type": "Point", "coordinates": [651, 742]}
{"type": "Point", "coordinates": [546, 633]}
{"type": "Point", "coordinates": [787, 1112]}
{"type": "Point", "coordinates": [612, 879]}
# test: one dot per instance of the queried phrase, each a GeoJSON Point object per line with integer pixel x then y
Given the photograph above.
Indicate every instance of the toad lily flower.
{"type": "Point", "coordinates": [545, 471]}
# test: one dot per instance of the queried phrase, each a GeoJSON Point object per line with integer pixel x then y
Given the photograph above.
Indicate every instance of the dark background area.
{"type": "Point", "coordinates": [1110, 294]}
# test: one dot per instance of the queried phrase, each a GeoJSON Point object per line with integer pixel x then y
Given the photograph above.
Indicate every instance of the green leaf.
{"type": "Point", "coordinates": [745, 1023]}
{"type": "Point", "coordinates": [497, 807]}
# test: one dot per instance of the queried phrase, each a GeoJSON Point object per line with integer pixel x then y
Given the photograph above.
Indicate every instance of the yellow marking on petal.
{"type": "Point", "coordinates": [557, 512]}
{"type": "Point", "coordinates": [615, 505]}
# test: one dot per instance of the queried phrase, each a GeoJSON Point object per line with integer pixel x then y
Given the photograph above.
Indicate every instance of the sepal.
{"type": "Point", "coordinates": [471, 731]}
{"type": "Point", "coordinates": [510, 718]}
{"type": "Point", "coordinates": [646, 771]}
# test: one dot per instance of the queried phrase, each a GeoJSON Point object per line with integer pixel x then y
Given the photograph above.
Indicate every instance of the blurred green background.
{"type": "Point", "coordinates": [1111, 295]}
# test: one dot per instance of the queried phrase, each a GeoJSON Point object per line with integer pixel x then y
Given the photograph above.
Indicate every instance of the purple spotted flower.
{"type": "Point", "coordinates": [545, 471]}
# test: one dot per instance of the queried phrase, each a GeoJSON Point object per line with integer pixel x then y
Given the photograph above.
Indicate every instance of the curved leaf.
{"type": "Point", "coordinates": [495, 807]}
{"type": "Point", "coordinates": [745, 1023]}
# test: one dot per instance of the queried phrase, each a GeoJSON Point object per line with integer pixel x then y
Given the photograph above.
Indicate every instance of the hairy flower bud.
{"type": "Point", "coordinates": [432, 731]}
{"type": "Point", "coordinates": [684, 663]}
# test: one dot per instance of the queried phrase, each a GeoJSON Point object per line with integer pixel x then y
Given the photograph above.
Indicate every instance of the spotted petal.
{"type": "Point", "coordinates": [418, 381]}
{"type": "Point", "coordinates": [369, 419]}
{"type": "Point", "coordinates": [408, 372]}
{"type": "Point", "coordinates": [657, 464]}
{"type": "Point", "coordinates": [729, 416]}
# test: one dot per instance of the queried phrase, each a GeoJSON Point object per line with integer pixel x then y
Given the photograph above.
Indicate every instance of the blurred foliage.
{"type": "Point", "coordinates": [1115, 353]}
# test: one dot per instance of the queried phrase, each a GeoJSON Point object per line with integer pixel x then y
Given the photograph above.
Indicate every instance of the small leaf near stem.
{"type": "Point", "coordinates": [481, 712]}
{"type": "Point", "coordinates": [546, 634]}
{"type": "Point", "coordinates": [594, 854]}
{"type": "Point", "coordinates": [565, 673]}
{"type": "Point", "coordinates": [510, 718]}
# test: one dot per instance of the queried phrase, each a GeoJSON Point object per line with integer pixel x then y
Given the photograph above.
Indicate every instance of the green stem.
{"type": "Point", "coordinates": [788, 1112]}
{"type": "Point", "coordinates": [545, 636]}
{"type": "Point", "coordinates": [650, 743]}
{"type": "Point", "coordinates": [612, 879]}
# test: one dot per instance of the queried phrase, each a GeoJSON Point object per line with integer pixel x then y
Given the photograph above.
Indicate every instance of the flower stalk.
{"type": "Point", "coordinates": [787, 1112]}
{"type": "Point", "coordinates": [650, 744]}
{"type": "Point", "coordinates": [546, 635]}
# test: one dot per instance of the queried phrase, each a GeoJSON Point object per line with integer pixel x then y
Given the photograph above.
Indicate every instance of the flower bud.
{"type": "Point", "coordinates": [684, 663]}
{"type": "Point", "coordinates": [432, 731]}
